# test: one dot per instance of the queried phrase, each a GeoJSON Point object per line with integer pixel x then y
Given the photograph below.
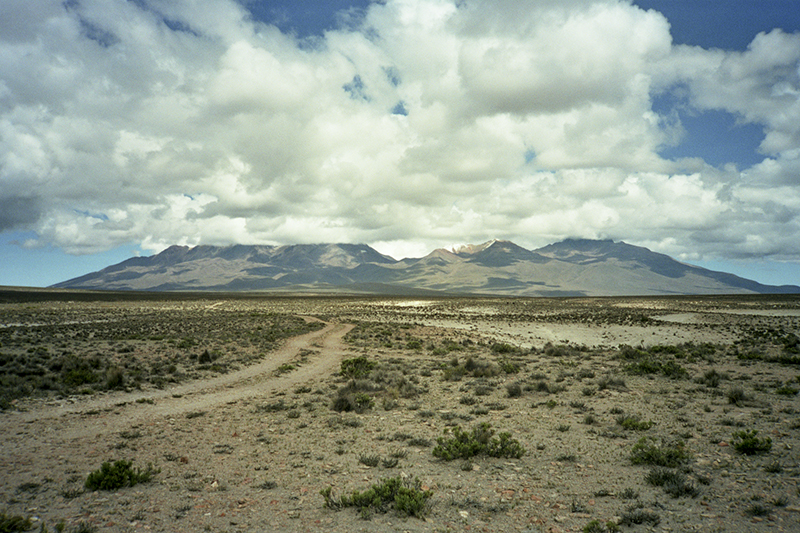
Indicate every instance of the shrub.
{"type": "Point", "coordinates": [712, 378]}
{"type": "Point", "coordinates": [414, 344]}
{"type": "Point", "coordinates": [508, 367]}
{"type": "Point", "coordinates": [634, 423]}
{"type": "Point", "coordinates": [787, 390]}
{"type": "Point", "coordinates": [347, 401]}
{"type": "Point", "coordinates": [112, 476]}
{"type": "Point", "coordinates": [670, 369]}
{"type": "Point", "coordinates": [647, 452]}
{"type": "Point", "coordinates": [635, 515]}
{"type": "Point", "coordinates": [479, 441]}
{"type": "Point", "coordinates": [514, 390]}
{"type": "Point", "coordinates": [595, 526]}
{"type": "Point", "coordinates": [356, 367]}
{"type": "Point", "coordinates": [748, 443]}
{"type": "Point", "coordinates": [674, 483]}
{"type": "Point", "coordinates": [502, 347]}
{"type": "Point", "coordinates": [115, 378]}
{"type": "Point", "coordinates": [405, 496]}
{"type": "Point", "coordinates": [736, 395]}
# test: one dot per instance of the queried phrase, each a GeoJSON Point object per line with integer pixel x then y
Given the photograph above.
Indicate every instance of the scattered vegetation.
{"type": "Point", "coordinates": [150, 345]}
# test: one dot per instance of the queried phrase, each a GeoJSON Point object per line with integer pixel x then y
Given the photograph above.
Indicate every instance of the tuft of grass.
{"type": "Point", "coordinates": [112, 476]}
{"type": "Point", "coordinates": [736, 395]}
{"type": "Point", "coordinates": [749, 443]}
{"type": "Point", "coordinates": [14, 523]}
{"type": "Point", "coordinates": [369, 460]}
{"type": "Point", "coordinates": [636, 515]}
{"type": "Point", "coordinates": [389, 462]}
{"type": "Point", "coordinates": [758, 509]}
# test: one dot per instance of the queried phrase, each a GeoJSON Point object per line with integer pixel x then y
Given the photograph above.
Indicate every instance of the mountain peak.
{"type": "Point", "coordinates": [469, 249]}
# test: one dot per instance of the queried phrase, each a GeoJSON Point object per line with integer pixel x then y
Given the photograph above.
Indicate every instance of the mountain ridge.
{"type": "Point", "coordinates": [573, 267]}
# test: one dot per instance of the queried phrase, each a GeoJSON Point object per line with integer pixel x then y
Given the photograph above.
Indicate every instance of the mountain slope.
{"type": "Point", "coordinates": [570, 267]}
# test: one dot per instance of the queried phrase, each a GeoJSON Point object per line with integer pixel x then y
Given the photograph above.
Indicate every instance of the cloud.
{"type": "Point", "coordinates": [419, 123]}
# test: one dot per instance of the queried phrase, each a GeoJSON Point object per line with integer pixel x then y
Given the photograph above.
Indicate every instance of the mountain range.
{"type": "Point", "coordinates": [574, 267]}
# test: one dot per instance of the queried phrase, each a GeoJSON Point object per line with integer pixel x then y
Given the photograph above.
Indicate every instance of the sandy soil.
{"type": "Point", "coordinates": [251, 449]}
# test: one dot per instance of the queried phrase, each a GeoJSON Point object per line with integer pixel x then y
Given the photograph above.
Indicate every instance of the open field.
{"type": "Point", "coordinates": [465, 414]}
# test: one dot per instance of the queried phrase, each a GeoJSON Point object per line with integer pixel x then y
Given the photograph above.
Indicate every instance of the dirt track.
{"type": "Point", "coordinates": [321, 350]}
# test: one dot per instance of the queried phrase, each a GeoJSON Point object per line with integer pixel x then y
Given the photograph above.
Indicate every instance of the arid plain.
{"type": "Point", "coordinates": [635, 414]}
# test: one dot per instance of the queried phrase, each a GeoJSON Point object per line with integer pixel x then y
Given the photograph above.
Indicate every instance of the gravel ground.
{"type": "Point", "coordinates": [251, 449]}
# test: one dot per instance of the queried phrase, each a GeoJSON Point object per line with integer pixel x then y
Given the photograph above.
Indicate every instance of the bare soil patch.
{"type": "Point", "coordinates": [587, 386]}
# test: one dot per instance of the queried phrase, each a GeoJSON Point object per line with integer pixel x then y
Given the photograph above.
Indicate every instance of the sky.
{"type": "Point", "coordinates": [127, 126]}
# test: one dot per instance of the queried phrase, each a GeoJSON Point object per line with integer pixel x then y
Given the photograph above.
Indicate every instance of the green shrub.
{"type": "Point", "coordinates": [479, 441]}
{"type": "Point", "coordinates": [405, 496]}
{"type": "Point", "coordinates": [670, 369]}
{"type": "Point", "coordinates": [112, 476]}
{"type": "Point", "coordinates": [508, 367]}
{"type": "Point", "coordinates": [673, 482]}
{"type": "Point", "coordinates": [79, 376]}
{"type": "Point", "coordinates": [502, 347]}
{"type": "Point", "coordinates": [595, 526]}
{"type": "Point", "coordinates": [356, 367]}
{"type": "Point", "coordinates": [414, 344]}
{"type": "Point", "coordinates": [748, 443]}
{"type": "Point", "coordinates": [647, 452]}
{"type": "Point", "coordinates": [634, 423]}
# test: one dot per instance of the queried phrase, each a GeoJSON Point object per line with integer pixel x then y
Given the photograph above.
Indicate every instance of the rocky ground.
{"type": "Point", "coordinates": [245, 426]}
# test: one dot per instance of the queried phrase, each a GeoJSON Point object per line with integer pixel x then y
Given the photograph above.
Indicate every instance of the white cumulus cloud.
{"type": "Point", "coordinates": [419, 124]}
